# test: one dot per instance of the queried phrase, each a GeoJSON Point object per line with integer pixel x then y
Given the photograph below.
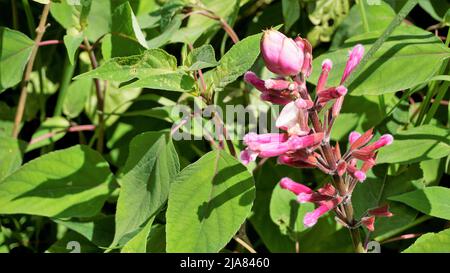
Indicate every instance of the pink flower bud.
{"type": "Point", "coordinates": [301, 142]}
{"type": "Point", "coordinates": [341, 168]}
{"type": "Point", "coordinates": [296, 188]}
{"type": "Point", "coordinates": [353, 136]}
{"type": "Point", "coordinates": [275, 98]}
{"type": "Point", "coordinates": [281, 54]}
{"type": "Point", "coordinates": [354, 59]}
{"type": "Point", "coordinates": [306, 48]}
{"type": "Point", "coordinates": [277, 84]}
{"type": "Point", "coordinates": [383, 141]}
{"type": "Point", "coordinates": [303, 104]}
{"type": "Point", "coordinates": [382, 211]}
{"type": "Point", "coordinates": [336, 109]}
{"type": "Point", "coordinates": [311, 218]}
{"type": "Point", "coordinates": [362, 140]}
{"type": "Point", "coordinates": [360, 176]}
{"type": "Point", "coordinates": [252, 138]}
{"type": "Point", "coordinates": [252, 79]}
{"type": "Point", "coordinates": [369, 222]}
{"type": "Point", "coordinates": [248, 156]}
{"type": "Point", "coordinates": [327, 64]}
{"type": "Point", "coordinates": [368, 164]}
{"type": "Point", "coordinates": [331, 93]}
{"type": "Point", "coordinates": [324, 207]}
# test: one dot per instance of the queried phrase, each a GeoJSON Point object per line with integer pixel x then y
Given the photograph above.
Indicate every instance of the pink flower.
{"type": "Point", "coordinates": [311, 218]}
{"type": "Point", "coordinates": [293, 119]}
{"type": "Point", "coordinates": [331, 93]}
{"type": "Point", "coordinates": [353, 136]}
{"type": "Point", "coordinates": [272, 145]}
{"type": "Point", "coordinates": [294, 187]}
{"type": "Point", "coordinates": [382, 211]}
{"type": "Point", "coordinates": [268, 88]}
{"type": "Point", "coordinates": [369, 222]}
{"type": "Point", "coordinates": [306, 48]}
{"type": "Point", "coordinates": [299, 159]}
{"type": "Point", "coordinates": [327, 64]}
{"type": "Point", "coordinates": [354, 59]}
{"type": "Point", "coordinates": [281, 54]}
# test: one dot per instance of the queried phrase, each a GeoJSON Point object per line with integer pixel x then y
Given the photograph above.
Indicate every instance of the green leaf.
{"type": "Point", "coordinates": [55, 126]}
{"type": "Point", "coordinates": [138, 244]}
{"type": "Point", "coordinates": [376, 191]}
{"type": "Point", "coordinates": [99, 231]}
{"type": "Point", "coordinates": [42, 1]}
{"type": "Point", "coordinates": [435, 8]}
{"type": "Point", "coordinates": [431, 243]}
{"type": "Point", "coordinates": [291, 12]}
{"type": "Point", "coordinates": [157, 239]}
{"type": "Point", "coordinates": [15, 51]}
{"type": "Point", "coordinates": [201, 58]}
{"type": "Point", "coordinates": [72, 41]}
{"type": "Point", "coordinates": [126, 37]}
{"type": "Point", "coordinates": [155, 69]}
{"type": "Point", "coordinates": [433, 201]}
{"type": "Point", "coordinates": [76, 97]}
{"type": "Point", "coordinates": [65, 244]}
{"type": "Point", "coordinates": [117, 101]}
{"type": "Point", "coordinates": [266, 179]}
{"type": "Point", "coordinates": [287, 213]}
{"type": "Point", "coordinates": [409, 57]}
{"type": "Point", "coordinates": [417, 144]}
{"type": "Point", "coordinates": [209, 201]}
{"type": "Point", "coordinates": [73, 182]}
{"type": "Point", "coordinates": [167, 34]}
{"type": "Point", "coordinates": [151, 166]}
{"type": "Point", "coordinates": [238, 60]}
{"type": "Point", "coordinates": [11, 154]}
{"type": "Point", "coordinates": [378, 16]}
{"type": "Point", "coordinates": [199, 25]}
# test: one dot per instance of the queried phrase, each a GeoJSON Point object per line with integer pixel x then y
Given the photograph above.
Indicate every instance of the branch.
{"type": "Point", "coordinates": [26, 78]}
{"type": "Point", "coordinates": [76, 128]}
{"type": "Point", "coordinates": [100, 99]}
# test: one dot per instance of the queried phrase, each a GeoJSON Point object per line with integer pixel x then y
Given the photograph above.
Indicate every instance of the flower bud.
{"type": "Point", "coordinates": [354, 59]}
{"type": "Point", "coordinates": [369, 222]}
{"type": "Point", "coordinates": [281, 54]}
{"type": "Point", "coordinates": [353, 136]}
{"type": "Point", "coordinates": [296, 188]}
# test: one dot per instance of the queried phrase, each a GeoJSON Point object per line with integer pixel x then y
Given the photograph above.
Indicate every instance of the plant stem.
{"type": "Point", "coordinates": [14, 14]}
{"type": "Point", "coordinates": [26, 78]}
{"type": "Point", "coordinates": [394, 24]}
{"type": "Point", "coordinates": [338, 181]}
{"type": "Point", "coordinates": [100, 99]}
{"type": "Point", "coordinates": [433, 88]}
{"type": "Point", "coordinates": [362, 10]}
{"type": "Point", "coordinates": [66, 79]}
{"type": "Point", "coordinates": [29, 15]}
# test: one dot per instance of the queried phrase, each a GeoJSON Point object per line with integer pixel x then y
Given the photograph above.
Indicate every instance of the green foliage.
{"type": "Point", "coordinates": [112, 75]}
{"type": "Point", "coordinates": [74, 182]}
{"type": "Point", "coordinates": [14, 54]}
{"type": "Point", "coordinates": [209, 200]}
{"type": "Point", "coordinates": [434, 201]}
{"type": "Point", "coordinates": [431, 243]}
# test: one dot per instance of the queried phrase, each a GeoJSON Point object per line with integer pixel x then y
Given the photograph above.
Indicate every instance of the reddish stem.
{"type": "Point", "coordinates": [76, 128]}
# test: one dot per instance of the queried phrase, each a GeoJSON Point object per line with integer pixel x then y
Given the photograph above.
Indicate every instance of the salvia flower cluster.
{"type": "Point", "coordinates": [304, 141]}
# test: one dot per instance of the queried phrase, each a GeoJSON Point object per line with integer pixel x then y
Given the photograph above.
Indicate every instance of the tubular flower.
{"type": "Point", "coordinates": [305, 138]}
